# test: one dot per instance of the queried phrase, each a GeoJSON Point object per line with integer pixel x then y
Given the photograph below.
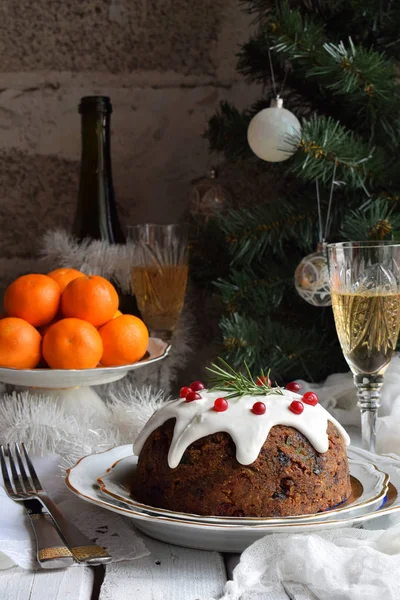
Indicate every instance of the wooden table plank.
{"type": "Point", "coordinates": [75, 583]}
{"type": "Point", "coordinates": [16, 583]}
{"type": "Point", "coordinates": [168, 573]}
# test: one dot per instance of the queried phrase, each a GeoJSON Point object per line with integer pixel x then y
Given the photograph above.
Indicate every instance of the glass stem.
{"type": "Point", "coordinates": [369, 400]}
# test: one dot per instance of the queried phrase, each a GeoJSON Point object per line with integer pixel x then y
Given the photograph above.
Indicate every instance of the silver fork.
{"type": "Point", "coordinates": [51, 551]}
{"type": "Point", "coordinates": [28, 488]}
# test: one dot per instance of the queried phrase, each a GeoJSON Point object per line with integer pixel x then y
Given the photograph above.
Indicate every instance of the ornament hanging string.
{"type": "Point", "coordinates": [320, 236]}
{"type": "Point", "coordinates": [311, 277]}
{"type": "Point", "coordinates": [271, 68]}
{"type": "Point", "coordinates": [328, 214]}
{"type": "Point", "coordinates": [324, 232]}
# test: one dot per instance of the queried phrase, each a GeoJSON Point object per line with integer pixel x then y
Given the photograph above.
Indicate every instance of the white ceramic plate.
{"type": "Point", "coordinates": [64, 378]}
{"type": "Point", "coordinates": [82, 478]}
{"type": "Point", "coordinates": [369, 487]}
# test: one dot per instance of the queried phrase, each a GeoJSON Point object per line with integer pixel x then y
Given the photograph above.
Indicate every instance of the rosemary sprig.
{"type": "Point", "coordinates": [235, 384]}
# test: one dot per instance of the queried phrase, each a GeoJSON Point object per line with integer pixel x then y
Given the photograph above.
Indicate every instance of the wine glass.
{"type": "Point", "coordinates": [159, 274]}
{"type": "Point", "coordinates": [365, 288]}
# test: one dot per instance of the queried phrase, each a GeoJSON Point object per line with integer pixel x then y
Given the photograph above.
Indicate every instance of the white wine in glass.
{"type": "Point", "coordinates": [365, 278]}
{"type": "Point", "coordinates": [159, 274]}
{"type": "Point", "coordinates": [368, 327]}
{"type": "Point", "coordinates": [160, 294]}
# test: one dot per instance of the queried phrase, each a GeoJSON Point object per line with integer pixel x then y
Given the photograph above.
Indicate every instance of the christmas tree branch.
{"type": "Point", "coordinates": [296, 36]}
{"type": "Point", "coordinates": [325, 146]}
{"type": "Point", "coordinates": [249, 233]}
{"type": "Point", "coordinates": [281, 347]}
{"type": "Point", "coordinates": [243, 291]}
{"type": "Point", "coordinates": [362, 76]}
{"type": "Point", "coordinates": [341, 82]}
{"type": "Point", "coordinates": [227, 132]}
{"type": "Point", "coordinates": [366, 82]}
{"type": "Point", "coordinates": [379, 221]}
{"type": "Point", "coordinates": [361, 73]}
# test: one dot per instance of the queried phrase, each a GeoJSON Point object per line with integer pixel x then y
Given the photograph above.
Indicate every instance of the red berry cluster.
{"type": "Point", "coordinates": [192, 392]}
{"type": "Point", "coordinates": [297, 406]}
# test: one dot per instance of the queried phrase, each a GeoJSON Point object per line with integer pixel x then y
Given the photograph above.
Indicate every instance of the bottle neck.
{"type": "Point", "coordinates": [96, 144]}
{"type": "Point", "coordinates": [96, 215]}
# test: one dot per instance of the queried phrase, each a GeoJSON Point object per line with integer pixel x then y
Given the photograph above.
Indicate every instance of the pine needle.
{"type": "Point", "coordinates": [238, 384]}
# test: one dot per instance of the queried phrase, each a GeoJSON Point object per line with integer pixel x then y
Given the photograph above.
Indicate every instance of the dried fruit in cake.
{"type": "Point", "coordinates": [125, 340]}
{"type": "Point", "coordinates": [34, 298]}
{"type": "Point", "coordinates": [289, 477]}
{"type": "Point", "coordinates": [64, 276]}
{"type": "Point", "coordinates": [91, 298]}
{"type": "Point", "coordinates": [72, 344]}
{"type": "Point", "coordinates": [19, 344]}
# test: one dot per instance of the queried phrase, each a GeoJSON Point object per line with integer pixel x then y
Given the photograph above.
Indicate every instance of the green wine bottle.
{"type": "Point", "coordinates": [96, 212]}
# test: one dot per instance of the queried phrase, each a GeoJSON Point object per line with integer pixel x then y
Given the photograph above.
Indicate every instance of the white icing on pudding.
{"type": "Point", "coordinates": [197, 419]}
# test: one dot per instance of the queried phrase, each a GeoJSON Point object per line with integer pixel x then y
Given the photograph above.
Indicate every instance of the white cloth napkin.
{"type": "Point", "coordinates": [107, 529]}
{"type": "Point", "coordinates": [344, 564]}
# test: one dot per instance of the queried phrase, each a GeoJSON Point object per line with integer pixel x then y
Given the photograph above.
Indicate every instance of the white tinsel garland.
{"type": "Point", "coordinates": [91, 256]}
{"type": "Point", "coordinates": [45, 428]}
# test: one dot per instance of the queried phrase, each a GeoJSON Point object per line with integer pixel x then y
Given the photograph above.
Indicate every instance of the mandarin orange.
{"type": "Point", "coordinates": [91, 298]}
{"type": "Point", "coordinates": [64, 276]}
{"type": "Point", "coordinates": [19, 344]}
{"type": "Point", "coordinates": [72, 344]}
{"type": "Point", "coordinates": [34, 298]}
{"type": "Point", "coordinates": [125, 340]}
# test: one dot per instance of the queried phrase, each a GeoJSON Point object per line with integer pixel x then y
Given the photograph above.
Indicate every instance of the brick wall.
{"type": "Point", "coordinates": [166, 65]}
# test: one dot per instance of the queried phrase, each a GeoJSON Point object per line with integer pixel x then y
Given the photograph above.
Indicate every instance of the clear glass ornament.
{"type": "Point", "coordinates": [311, 279]}
{"type": "Point", "coordinates": [208, 197]}
{"type": "Point", "coordinates": [270, 132]}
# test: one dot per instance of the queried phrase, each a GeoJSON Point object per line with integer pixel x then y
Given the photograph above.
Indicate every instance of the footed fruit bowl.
{"type": "Point", "coordinates": [73, 386]}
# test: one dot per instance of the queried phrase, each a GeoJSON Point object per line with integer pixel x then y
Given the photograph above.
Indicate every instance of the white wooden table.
{"type": "Point", "coordinates": [168, 573]}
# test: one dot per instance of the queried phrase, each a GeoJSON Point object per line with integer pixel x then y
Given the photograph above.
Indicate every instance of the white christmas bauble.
{"type": "Point", "coordinates": [311, 279]}
{"type": "Point", "coordinates": [270, 131]}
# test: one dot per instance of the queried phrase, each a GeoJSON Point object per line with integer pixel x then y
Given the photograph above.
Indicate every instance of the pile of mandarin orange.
{"type": "Point", "coordinates": [67, 320]}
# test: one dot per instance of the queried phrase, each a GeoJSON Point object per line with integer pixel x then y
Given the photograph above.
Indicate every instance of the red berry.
{"type": "Point", "coordinates": [262, 380]}
{"type": "Point", "coordinates": [192, 395]}
{"type": "Point", "coordinates": [220, 405]}
{"type": "Point", "coordinates": [296, 407]}
{"type": "Point", "coordinates": [196, 386]}
{"type": "Point", "coordinates": [184, 391]}
{"type": "Point", "coordinates": [258, 408]}
{"type": "Point", "coordinates": [310, 398]}
{"type": "Point", "coordinates": [293, 387]}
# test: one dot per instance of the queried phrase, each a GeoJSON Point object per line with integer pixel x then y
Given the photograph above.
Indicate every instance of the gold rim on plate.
{"type": "Point", "coordinates": [149, 518]}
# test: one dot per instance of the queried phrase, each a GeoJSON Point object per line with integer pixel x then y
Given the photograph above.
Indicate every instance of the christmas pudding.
{"type": "Point", "coordinates": [267, 452]}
